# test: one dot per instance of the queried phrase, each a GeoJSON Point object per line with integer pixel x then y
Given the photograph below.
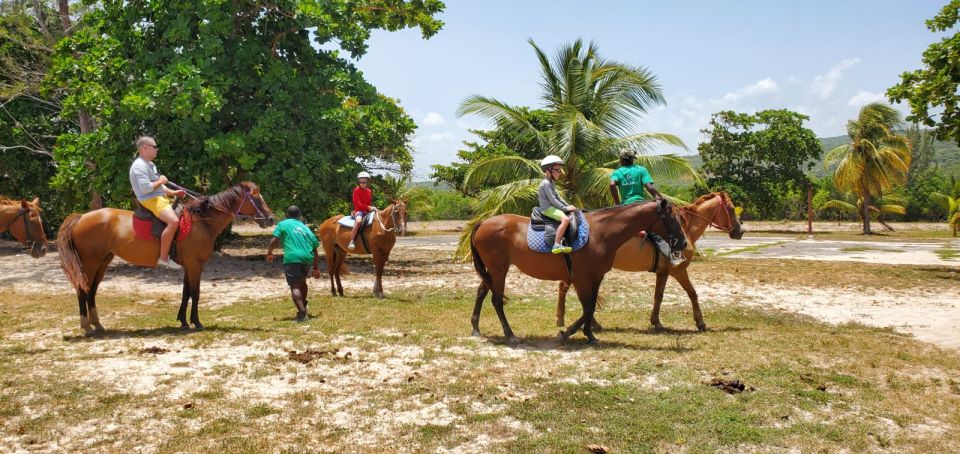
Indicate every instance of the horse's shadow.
{"type": "Point", "coordinates": [671, 331]}
{"type": "Point", "coordinates": [166, 331]}
{"type": "Point", "coordinates": [551, 343]}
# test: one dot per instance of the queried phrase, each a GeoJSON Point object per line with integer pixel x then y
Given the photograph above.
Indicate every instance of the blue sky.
{"type": "Point", "coordinates": [823, 59]}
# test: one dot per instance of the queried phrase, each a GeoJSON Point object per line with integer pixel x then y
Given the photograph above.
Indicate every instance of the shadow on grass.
{"type": "Point", "coordinates": [167, 331]}
{"type": "Point", "coordinates": [672, 331]}
{"type": "Point", "coordinates": [575, 342]}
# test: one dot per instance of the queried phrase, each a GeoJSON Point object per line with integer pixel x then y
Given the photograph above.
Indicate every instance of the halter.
{"type": "Point", "coordinates": [26, 226]}
{"type": "Point", "coordinates": [721, 207]}
{"type": "Point", "coordinates": [249, 197]}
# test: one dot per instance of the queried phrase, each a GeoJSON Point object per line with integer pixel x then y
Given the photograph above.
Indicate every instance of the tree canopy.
{"type": "Point", "coordinates": [937, 85]}
{"type": "Point", "coordinates": [233, 91]}
{"type": "Point", "coordinates": [757, 156]}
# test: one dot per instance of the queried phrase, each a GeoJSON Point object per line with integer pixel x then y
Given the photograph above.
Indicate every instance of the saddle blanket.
{"type": "Point", "coordinates": [147, 230]}
{"type": "Point", "coordinates": [348, 221]}
{"type": "Point", "coordinates": [537, 239]}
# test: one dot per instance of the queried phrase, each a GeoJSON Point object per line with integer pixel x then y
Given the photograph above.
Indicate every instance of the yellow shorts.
{"type": "Point", "coordinates": [156, 205]}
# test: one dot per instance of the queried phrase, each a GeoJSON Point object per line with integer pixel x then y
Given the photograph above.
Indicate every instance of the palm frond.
{"type": "Point", "coordinates": [839, 205]}
{"type": "Point", "coordinates": [499, 170]}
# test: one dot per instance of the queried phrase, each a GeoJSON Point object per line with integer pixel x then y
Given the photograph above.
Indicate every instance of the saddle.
{"type": "Point", "coordinates": [349, 221]}
{"type": "Point", "coordinates": [549, 226]}
{"type": "Point", "coordinates": [147, 227]}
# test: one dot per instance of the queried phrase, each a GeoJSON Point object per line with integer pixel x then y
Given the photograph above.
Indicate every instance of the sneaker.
{"type": "Point", "coordinates": [351, 246]}
{"type": "Point", "coordinates": [676, 258]}
{"type": "Point", "coordinates": [169, 264]}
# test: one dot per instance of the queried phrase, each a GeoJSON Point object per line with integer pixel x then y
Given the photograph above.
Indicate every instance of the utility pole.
{"type": "Point", "coordinates": [810, 211]}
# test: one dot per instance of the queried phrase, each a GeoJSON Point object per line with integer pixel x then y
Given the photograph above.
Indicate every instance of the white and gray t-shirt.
{"type": "Point", "coordinates": [142, 174]}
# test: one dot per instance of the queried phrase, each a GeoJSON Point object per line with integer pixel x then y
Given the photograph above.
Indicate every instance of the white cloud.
{"type": "Point", "coordinates": [432, 119]}
{"type": "Point", "coordinates": [440, 137]}
{"type": "Point", "coordinates": [865, 97]}
{"type": "Point", "coordinates": [824, 84]}
{"type": "Point", "coordinates": [761, 87]}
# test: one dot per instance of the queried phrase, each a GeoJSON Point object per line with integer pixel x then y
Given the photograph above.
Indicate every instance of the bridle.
{"type": "Point", "coordinates": [261, 216]}
{"type": "Point", "coordinates": [393, 218]}
{"type": "Point", "coordinates": [712, 221]}
{"type": "Point", "coordinates": [23, 212]}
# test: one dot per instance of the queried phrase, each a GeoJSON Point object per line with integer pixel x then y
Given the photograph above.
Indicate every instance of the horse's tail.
{"type": "Point", "coordinates": [477, 261]}
{"type": "Point", "coordinates": [69, 259]}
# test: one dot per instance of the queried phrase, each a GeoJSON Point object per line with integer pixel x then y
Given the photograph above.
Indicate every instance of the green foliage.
{"type": "Point", "coordinates": [757, 158]}
{"type": "Point", "coordinates": [233, 91]}
{"type": "Point", "coordinates": [937, 85]}
{"type": "Point", "coordinates": [439, 204]}
{"type": "Point", "coordinates": [497, 142]}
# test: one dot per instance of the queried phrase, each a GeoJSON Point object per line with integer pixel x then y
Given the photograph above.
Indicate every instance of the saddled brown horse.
{"type": "Point", "coordinates": [379, 237]}
{"type": "Point", "coordinates": [22, 219]}
{"type": "Point", "coordinates": [501, 241]}
{"type": "Point", "coordinates": [88, 242]}
{"type": "Point", "coordinates": [714, 209]}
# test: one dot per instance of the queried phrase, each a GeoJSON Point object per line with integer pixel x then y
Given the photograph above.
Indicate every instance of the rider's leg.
{"type": "Point", "coordinates": [562, 230]}
{"type": "Point", "coordinates": [166, 238]}
{"type": "Point", "coordinates": [357, 220]}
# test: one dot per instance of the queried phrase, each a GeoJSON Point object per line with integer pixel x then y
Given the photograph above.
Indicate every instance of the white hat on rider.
{"type": "Point", "coordinates": [550, 160]}
{"type": "Point", "coordinates": [363, 175]}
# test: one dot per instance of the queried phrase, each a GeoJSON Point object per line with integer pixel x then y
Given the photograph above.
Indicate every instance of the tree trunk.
{"type": "Point", "coordinates": [86, 122]}
{"type": "Point", "coordinates": [866, 212]}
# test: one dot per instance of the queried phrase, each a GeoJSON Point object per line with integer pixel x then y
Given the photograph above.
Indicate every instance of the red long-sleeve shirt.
{"type": "Point", "coordinates": [362, 198]}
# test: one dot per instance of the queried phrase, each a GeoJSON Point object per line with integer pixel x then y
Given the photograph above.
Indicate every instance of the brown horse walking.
{"type": "Point", "coordinates": [22, 219]}
{"type": "Point", "coordinates": [88, 242]}
{"type": "Point", "coordinates": [501, 241]}
{"type": "Point", "coordinates": [379, 237]}
{"type": "Point", "coordinates": [714, 209]}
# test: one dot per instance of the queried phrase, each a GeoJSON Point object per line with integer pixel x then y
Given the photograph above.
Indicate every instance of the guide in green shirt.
{"type": "Point", "coordinates": [630, 180]}
{"type": "Point", "coordinates": [299, 249]}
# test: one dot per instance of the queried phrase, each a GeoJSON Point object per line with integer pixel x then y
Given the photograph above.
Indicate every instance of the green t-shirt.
{"type": "Point", "coordinates": [631, 181]}
{"type": "Point", "coordinates": [297, 240]}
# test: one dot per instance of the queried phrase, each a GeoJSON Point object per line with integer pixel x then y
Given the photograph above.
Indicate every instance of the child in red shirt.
{"type": "Point", "coordinates": [362, 204]}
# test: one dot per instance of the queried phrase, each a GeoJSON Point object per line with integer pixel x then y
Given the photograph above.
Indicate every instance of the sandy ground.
{"type": "Point", "coordinates": [242, 274]}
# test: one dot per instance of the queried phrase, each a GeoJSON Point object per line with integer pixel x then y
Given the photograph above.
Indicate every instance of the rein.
{"type": "Point", "coordinates": [393, 218]}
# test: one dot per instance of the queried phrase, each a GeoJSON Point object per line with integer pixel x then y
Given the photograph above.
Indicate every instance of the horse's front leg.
{"type": "Point", "coordinates": [195, 296]}
{"type": "Point", "coordinates": [562, 303]}
{"type": "Point", "coordinates": [684, 280]}
{"type": "Point", "coordinates": [657, 299]}
{"type": "Point", "coordinates": [379, 262]}
{"type": "Point", "coordinates": [185, 298]}
{"type": "Point", "coordinates": [482, 291]}
{"type": "Point", "coordinates": [588, 299]}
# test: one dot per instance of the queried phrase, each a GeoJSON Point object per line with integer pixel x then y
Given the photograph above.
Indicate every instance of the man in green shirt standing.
{"type": "Point", "coordinates": [299, 247]}
{"type": "Point", "coordinates": [631, 179]}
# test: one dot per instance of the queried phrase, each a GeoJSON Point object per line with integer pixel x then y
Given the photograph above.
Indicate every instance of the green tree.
{"type": "Point", "coordinates": [758, 157]}
{"type": "Point", "coordinates": [937, 85]}
{"type": "Point", "coordinates": [234, 91]}
{"type": "Point", "coordinates": [875, 161]}
{"type": "Point", "coordinates": [852, 204]}
{"type": "Point", "coordinates": [592, 104]}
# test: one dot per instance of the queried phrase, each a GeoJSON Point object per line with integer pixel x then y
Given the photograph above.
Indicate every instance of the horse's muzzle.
{"type": "Point", "coordinates": [264, 223]}
{"type": "Point", "coordinates": [737, 234]}
{"type": "Point", "coordinates": [38, 250]}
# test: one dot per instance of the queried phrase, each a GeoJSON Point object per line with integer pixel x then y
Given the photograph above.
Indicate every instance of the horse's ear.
{"type": "Point", "coordinates": [24, 204]}
{"type": "Point", "coordinates": [36, 201]}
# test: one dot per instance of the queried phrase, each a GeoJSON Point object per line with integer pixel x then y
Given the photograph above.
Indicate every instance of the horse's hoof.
{"type": "Point", "coordinates": [89, 333]}
{"type": "Point", "coordinates": [198, 327]}
{"type": "Point", "coordinates": [513, 341]}
{"type": "Point", "coordinates": [561, 337]}
{"type": "Point", "coordinates": [702, 328]}
{"type": "Point", "coordinates": [99, 329]}
{"type": "Point", "coordinates": [184, 327]}
{"type": "Point", "coordinates": [475, 333]}
{"type": "Point", "coordinates": [657, 327]}
{"type": "Point", "coordinates": [593, 341]}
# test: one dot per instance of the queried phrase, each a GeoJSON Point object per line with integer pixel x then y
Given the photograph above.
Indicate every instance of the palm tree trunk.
{"type": "Point", "coordinates": [865, 198]}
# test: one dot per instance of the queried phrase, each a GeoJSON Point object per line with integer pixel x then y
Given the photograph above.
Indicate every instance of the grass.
{"type": "Point", "coordinates": [947, 253]}
{"type": "Point", "coordinates": [415, 381]}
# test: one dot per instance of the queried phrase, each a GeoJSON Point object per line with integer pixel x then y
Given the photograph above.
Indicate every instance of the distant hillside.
{"type": "Point", "coordinates": [947, 156]}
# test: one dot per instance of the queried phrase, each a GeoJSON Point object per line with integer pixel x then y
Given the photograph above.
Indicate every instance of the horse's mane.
{"type": "Point", "coordinates": [223, 202]}
{"type": "Point", "coordinates": [8, 201]}
{"type": "Point", "coordinates": [614, 210]}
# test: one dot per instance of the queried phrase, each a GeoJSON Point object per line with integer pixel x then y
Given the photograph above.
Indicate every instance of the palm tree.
{"type": "Point", "coordinates": [592, 104]}
{"type": "Point", "coordinates": [876, 160]}
{"type": "Point", "coordinates": [951, 205]}
{"type": "Point", "coordinates": [852, 204]}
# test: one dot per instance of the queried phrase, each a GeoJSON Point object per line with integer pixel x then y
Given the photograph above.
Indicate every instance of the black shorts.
{"type": "Point", "coordinates": [295, 272]}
